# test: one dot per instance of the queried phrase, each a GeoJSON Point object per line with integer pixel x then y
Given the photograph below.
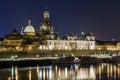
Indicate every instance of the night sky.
{"type": "Point", "coordinates": [102, 17]}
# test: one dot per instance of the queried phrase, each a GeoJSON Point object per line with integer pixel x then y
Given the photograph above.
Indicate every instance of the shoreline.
{"type": "Point", "coordinates": [35, 57]}
{"type": "Point", "coordinates": [53, 53]}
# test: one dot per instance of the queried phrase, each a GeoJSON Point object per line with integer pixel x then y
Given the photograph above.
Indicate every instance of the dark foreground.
{"type": "Point", "coordinates": [24, 63]}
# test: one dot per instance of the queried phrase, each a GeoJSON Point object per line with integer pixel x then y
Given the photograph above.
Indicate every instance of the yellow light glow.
{"type": "Point", "coordinates": [99, 48]}
{"type": "Point", "coordinates": [44, 47]}
{"type": "Point", "coordinates": [91, 47]}
{"type": "Point", "coordinates": [41, 47]}
{"type": "Point", "coordinates": [29, 74]}
{"type": "Point", "coordinates": [16, 73]}
{"type": "Point", "coordinates": [72, 54]}
{"type": "Point", "coordinates": [17, 48]}
{"type": "Point", "coordinates": [50, 47]}
{"type": "Point", "coordinates": [66, 47]}
{"type": "Point", "coordinates": [30, 48]}
{"type": "Point", "coordinates": [56, 55]}
{"type": "Point", "coordinates": [66, 72]}
{"type": "Point", "coordinates": [9, 78]}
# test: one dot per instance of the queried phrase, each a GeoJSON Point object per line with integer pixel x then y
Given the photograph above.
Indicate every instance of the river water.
{"type": "Point", "coordinates": [102, 71]}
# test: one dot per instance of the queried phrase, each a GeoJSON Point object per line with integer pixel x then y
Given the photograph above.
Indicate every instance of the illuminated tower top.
{"type": "Point", "coordinates": [46, 14]}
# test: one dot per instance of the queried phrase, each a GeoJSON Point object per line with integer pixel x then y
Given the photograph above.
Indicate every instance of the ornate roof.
{"type": "Point", "coordinates": [29, 28]}
{"type": "Point", "coordinates": [46, 25]}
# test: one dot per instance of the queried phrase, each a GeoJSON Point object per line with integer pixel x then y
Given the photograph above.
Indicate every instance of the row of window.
{"type": "Point", "coordinates": [71, 44]}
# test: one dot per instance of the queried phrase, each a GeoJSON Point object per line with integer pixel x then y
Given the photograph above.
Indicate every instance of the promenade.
{"type": "Point", "coordinates": [27, 59]}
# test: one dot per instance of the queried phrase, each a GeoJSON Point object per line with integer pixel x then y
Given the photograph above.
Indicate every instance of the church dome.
{"type": "Point", "coordinates": [46, 25]}
{"type": "Point", "coordinates": [29, 30]}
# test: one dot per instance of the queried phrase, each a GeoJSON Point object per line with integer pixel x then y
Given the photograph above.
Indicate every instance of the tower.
{"type": "Point", "coordinates": [46, 14]}
{"type": "Point", "coordinates": [46, 27]}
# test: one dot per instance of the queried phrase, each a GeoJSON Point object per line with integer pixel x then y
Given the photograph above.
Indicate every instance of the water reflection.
{"type": "Point", "coordinates": [44, 73]}
{"type": "Point", "coordinates": [103, 71]}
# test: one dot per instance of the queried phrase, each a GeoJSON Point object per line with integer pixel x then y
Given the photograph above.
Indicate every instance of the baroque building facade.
{"type": "Point", "coordinates": [47, 38]}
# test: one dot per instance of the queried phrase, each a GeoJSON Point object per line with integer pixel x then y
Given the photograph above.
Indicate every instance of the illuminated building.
{"type": "Point", "coordinates": [29, 30]}
{"type": "Point", "coordinates": [13, 41]}
{"type": "Point", "coordinates": [72, 42]}
{"type": "Point", "coordinates": [46, 28]}
{"type": "Point", "coordinates": [107, 45]}
{"type": "Point", "coordinates": [47, 38]}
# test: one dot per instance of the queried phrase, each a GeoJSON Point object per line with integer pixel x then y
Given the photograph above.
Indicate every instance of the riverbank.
{"type": "Point", "coordinates": [53, 53]}
{"type": "Point", "coordinates": [9, 58]}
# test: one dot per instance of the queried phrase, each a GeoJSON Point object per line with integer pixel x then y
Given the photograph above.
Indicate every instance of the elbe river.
{"type": "Point", "coordinates": [101, 71]}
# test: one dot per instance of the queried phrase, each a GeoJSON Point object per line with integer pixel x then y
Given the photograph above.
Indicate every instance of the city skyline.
{"type": "Point", "coordinates": [99, 17]}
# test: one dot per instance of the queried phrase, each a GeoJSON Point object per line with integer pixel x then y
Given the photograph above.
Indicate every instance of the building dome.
{"type": "Point", "coordinates": [46, 25]}
{"type": "Point", "coordinates": [29, 30]}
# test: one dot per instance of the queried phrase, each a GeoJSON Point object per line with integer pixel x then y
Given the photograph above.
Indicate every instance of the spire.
{"type": "Point", "coordinates": [29, 22]}
{"type": "Point", "coordinates": [22, 31]}
{"type": "Point", "coordinates": [22, 28]}
{"type": "Point", "coordinates": [46, 13]}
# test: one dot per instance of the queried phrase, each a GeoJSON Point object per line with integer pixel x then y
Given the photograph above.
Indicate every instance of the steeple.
{"type": "Point", "coordinates": [46, 27]}
{"type": "Point", "coordinates": [46, 14]}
